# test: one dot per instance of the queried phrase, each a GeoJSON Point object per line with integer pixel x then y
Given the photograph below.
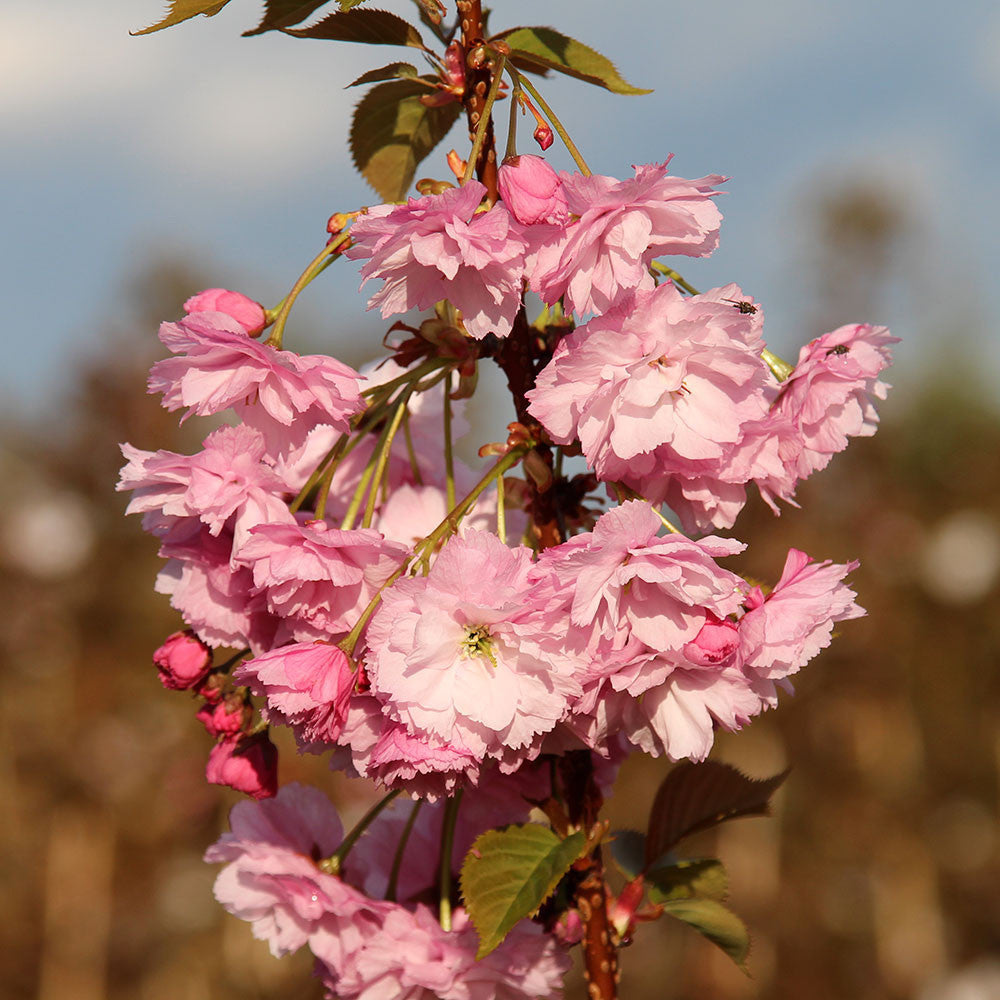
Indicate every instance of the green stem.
{"type": "Point", "coordinates": [330, 458]}
{"type": "Point", "coordinates": [333, 864]}
{"type": "Point", "coordinates": [556, 124]}
{"type": "Point", "coordinates": [449, 456]}
{"type": "Point", "coordinates": [781, 368]}
{"type": "Point", "coordinates": [316, 266]}
{"type": "Point", "coordinates": [447, 843]}
{"type": "Point", "coordinates": [484, 120]}
{"type": "Point", "coordinates": [385, 446]}
{"type": "Point", "coordinates": [501, 517]}
{"type": "Point", "coordinates": [397, 861]}
{"type": "Point", "coordinates": [674, 277]}
{"type": "Point", "coordinates": [515, 106]}
{"type": "Point", "coordinates": [418, 479]}
{"type": "Point", "coordinates": [413, 375]}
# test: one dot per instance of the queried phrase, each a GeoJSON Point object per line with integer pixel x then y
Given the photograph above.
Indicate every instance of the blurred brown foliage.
{"type": "Point", "coordinates": [876, 878]}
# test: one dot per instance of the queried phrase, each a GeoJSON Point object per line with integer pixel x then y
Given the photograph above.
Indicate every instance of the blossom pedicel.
{"type": "Point", "coordinates": [486, 641]}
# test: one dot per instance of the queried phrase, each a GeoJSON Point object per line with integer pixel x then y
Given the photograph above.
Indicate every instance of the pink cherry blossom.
{"type": "Point", "coordinates": [247, 763]}
{"type": "Point", "coordinates": [219, 366]}
{"type": "Point", "coordinates": [447, 656]}
{"type": "Point", "coordinates": [661, 386]}
{"type": "Point", "coordinates": [307, 686]}
{"type": "Point", "coordinates": [439, 247]}
{"type": "Point", "coordinates": [784, 630]}
{"type": "Point", "coordinates": [532, 191]}
{"type": "Point", "coordinates": [622, 226]}
{"type": "Point", "coordinates": [183, 661]}
{"type": "Point", "coordinates": [829, 397]}
{"type": "Point", "coordinates": [246, 312]}
{"type": "Point", "coordinates": [272, 877]}
{"type": "Point", "coordinates": [318, 579]}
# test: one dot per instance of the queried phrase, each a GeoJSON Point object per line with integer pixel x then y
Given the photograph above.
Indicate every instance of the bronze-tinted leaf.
{"type": "Point", "coordinates": [509, 873]}
{"type": "Point", "coordinates": [280, 14]}
{"type": "Point", "coordinates": [628, 850]}
{"type": "Point", "coordinates": [540, 48]}
{"type": "Point", "coordinates": [371, 27]}
{"type": "Point", "coordinates": [393, 131]}
{"type": "Point", "coordinates": [694, 797]}
{"type": "Point", "coordinates": [181, 10]}
{"type": "Point", "coordinates": [394, 71]}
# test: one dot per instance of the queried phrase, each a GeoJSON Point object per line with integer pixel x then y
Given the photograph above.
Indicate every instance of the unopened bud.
{"type": "Point", "coordinates": [427, 185]}
{"type": "Point", "coordinates": [236, 305]}
{"type": "Point", "coordinates": [248, 764]}
{"type": "Point", "coordinates": [182, 661]}
{"type": "Point", "coordinates": [543, 136]}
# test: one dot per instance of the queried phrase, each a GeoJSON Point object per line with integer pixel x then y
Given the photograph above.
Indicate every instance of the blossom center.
{"type": "Point", "coordinates": [477, 642]}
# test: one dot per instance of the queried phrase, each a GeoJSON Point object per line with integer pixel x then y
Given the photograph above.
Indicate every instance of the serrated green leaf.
{"type": "Point", "coordinates": [348, 4]}
{"type": "Point", "coordinates": [694, 797]}
{"type": "Point", "coordinates": [394, 71]}
{"type": "Point", "coordinates": [392, 132]}
{"type": "Point", "coordinates": [716, 922]}
{"type": "Point", "coordinates": [546, 48]}
{"type": "Point", "coordinates": [628, 850]}
{"type": "Point", "coordinates": [703, 878]}
{"type": "Point", "coordinates": [509, 873]}
{"type": "Point", "coordinates": [370, 27]}
{"type": "Point", "coordinates": [181, 10]}
{"type": "Point", "coordinates": [280, 14]}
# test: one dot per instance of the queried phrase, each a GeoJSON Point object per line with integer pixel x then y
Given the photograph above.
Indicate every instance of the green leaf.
{"type": "Point", "coordinates": [718, 923]}
{"type": "Point", "coordinates": [394, 71]}
{"type": "Point", "coordinates": [371, 27]}
{"type": "Point", "coordinates": [704, 878]}
{"type": "Point", "coordinates": [181, 10]}
{"type": "Point", "coordinates": [694, 797]}
{"type": "Point", "coordinates": [348, 4]}
{"type": "Point", "coordinates": [509, 873]}
{"type": "Point", "coordinates": [283, 14]}
{"type": "Point", "coordinates": [628, 849]}
{"type": "Point", "coordinates": [392, 132]}
{"type": "Point", "coordinates": [545, 48]}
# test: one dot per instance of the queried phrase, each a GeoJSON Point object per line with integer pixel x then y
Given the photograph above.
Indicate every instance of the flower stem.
{"type": "Point", "coordinates": [447, 844]}
{"type": "Point", "coordinates": [316, 266]}
{"type": "Point", "coordinates": [397, 861]}
{"type": "Point", "coordinates": [332, 864]}
{"type": "Point", "coordinates": [449, 456]}
{"type": "Point", "coordinates": [384, 448]}
{"type": "Point", "coordinates": [556, 124]}
{"type": "Point", "coordinates": [674, 277]}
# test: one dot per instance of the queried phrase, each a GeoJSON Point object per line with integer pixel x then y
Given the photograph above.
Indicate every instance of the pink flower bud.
{"type": "Point", "coordinates": [246, 312]}
{"type": "Point", "coordinates": [532, 191]}
{"type": "Point", "coordinates": [224, 718]}
{"type": "Point", "coordinates": [182, 661]}
{"type": "Point", "coordinates": [568, 930]}
{"type": "Point", "coordinates": [250, 765]}
{"type": "Point", "coordinates": [543, 136]}
{"type": "Point", "coordinates": [714, 644]}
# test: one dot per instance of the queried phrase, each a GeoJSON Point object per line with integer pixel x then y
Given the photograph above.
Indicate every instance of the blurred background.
{"type": "Point", "coordinates": [861, 142]}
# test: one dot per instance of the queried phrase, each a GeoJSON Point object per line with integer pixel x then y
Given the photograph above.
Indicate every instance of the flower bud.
{"type": "Point", "coordinates": [247, 764]}
{"type": "Point", "coordinates": [182, 661]}
{"type": "Point", "coordinates": [225, 718]}
{"type": "Point", "coordinates": [543, 136]}
{"type": "Point", "coordinates": [532, 191]}
{"type": "Point", "coordinates": [246, 312]}
{"type": "Point", "coordinates": [714, 644]}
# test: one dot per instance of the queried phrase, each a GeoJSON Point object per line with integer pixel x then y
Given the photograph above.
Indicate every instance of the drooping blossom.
{"type": "Point", "coordinates": [219, 367]}
{"type": "Point", "coordinates": [454, 654]}
{"type": "Point", "coordinates": [662, 386]}
{"type": "Point", "coordinates": [439, 247]}
{"type": "Point", "coordinates": [532, 191]}
{"type": "Point", "coordinates": [411, 956]}
{"type": "Point", "coordinates": [229, 483]}
{"type": "Point", "coordinates": [248, 764]}
{"type": "Point", "coordinates": [379, 748]}
{"type": "Point", "coordinates": [783, 630]}
{"type": "Point", "coordinates": [307, 686]}
{"type": "Point", "coordinates": [246, 312]}
{"type": "Point", "coordinates": [182, 661]}
{"type": "Point", "coordinates": [827, 399]}
{"type": "Point", "coordinates": [272, 877]}
{"type": "Point", "coordinates": [622, 226]}
{"type": "Point", "coordinates": [318, 579]}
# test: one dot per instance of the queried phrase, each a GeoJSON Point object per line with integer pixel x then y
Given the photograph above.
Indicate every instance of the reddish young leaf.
{"type": "Point", "coordinates": [694, 797]}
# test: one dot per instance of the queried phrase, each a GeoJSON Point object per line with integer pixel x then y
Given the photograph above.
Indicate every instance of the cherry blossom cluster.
{"type": "Point", "coordinates": [394, 608]}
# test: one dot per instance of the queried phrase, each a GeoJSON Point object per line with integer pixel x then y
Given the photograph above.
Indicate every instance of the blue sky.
{"type": "Point", "coordinates": [232, 150]}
